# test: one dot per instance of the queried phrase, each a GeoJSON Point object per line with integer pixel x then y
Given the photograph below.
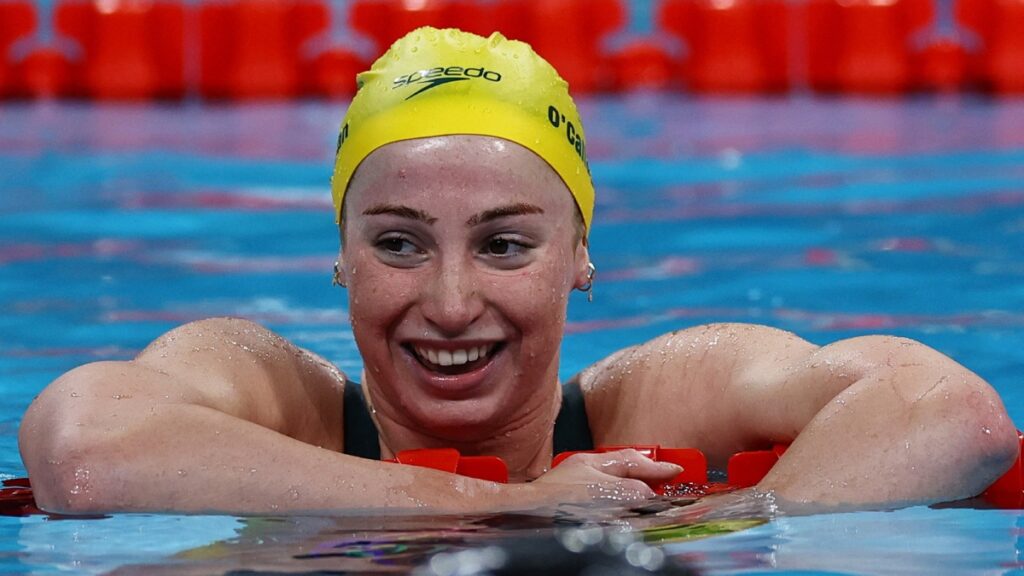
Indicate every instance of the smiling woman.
{"type": "Point", "coordinates": [461, 209]}
{"type": "Point", "coordinates": [455, 243]}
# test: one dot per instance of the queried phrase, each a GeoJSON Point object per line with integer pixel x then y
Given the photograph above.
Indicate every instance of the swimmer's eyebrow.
{"type": "Point", "coordinates": [400, 211]}
{"type": "Point", "coordinates": [504, 212]}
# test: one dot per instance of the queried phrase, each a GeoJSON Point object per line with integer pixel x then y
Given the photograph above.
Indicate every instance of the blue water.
{"type": "Point", "coordinates": [831, 218]}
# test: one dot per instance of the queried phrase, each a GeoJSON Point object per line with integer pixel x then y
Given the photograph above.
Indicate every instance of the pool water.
{"type": "Point", "coordinates": [828, 217]}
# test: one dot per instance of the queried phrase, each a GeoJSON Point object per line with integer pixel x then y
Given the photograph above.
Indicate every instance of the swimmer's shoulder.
{"type": "Point", "coordinates": [237, 345]}
{"type": "Point", "coordinates": [253, 372]}
{"type": "Point", "coordinates": [661, 391]}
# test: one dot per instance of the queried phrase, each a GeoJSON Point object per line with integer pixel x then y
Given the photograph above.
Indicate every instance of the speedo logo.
{"type": "Point", "coordinates": [434, 77]}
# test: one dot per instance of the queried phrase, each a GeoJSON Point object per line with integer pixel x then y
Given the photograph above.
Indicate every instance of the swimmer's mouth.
{"type": "Point", "coordinates": [458, 361]}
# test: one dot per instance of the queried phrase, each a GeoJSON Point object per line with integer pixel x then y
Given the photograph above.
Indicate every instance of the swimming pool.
{"type": "Point", "coordinates": [828, 217]}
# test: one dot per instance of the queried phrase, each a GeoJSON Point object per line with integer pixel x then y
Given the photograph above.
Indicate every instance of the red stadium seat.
{"type": "Point", "coordinates": [863, 46]}
{"type": "Point", "coordinates": [387, 20]}
{"type": "Point", "coordinates": [644, 64]}
{"type": "Point", "coordinates": [255, 49]}
{"type": "Point", "coordinates": [45, 73]}
{"type": "Point", "coordinates": [942, 66]}
{"type": "Point", "coordinates": [1000, 24]}
{"type": "Point", "coordinates": [570, 33]}
{"type": "Point", "coordinates": [333, 73]}
{"type": "Point", "coordinates": [132, 49]}
{"type": "Point", "coordinates": [17, 21]}
{"type": "Point", "coordinates": [733, 45]}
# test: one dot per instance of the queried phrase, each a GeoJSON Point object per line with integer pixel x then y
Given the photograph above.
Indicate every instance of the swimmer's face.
{"type": "Point", "coordinates": [460, 254]}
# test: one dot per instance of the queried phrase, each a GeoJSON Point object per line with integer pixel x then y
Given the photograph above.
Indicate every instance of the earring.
{"type": "Point", "coordinates": [336, 279]}
{"type": "Point", "coordinates": [589, 286]}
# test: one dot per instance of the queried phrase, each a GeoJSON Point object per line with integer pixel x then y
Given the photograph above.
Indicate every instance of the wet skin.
{"type": "Point", "coordinates": [454, 245]}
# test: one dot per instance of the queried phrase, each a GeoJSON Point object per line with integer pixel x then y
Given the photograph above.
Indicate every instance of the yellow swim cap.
{"type": "Point", "coordinates": [440, 82]}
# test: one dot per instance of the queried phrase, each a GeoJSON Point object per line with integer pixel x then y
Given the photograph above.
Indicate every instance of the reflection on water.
{"type": "Point", "coordinates": [726, 536]}
{"type": "Point", "coordinates": [910, 541]}
{"type": "Point", "coordinates": [622, 537]}
{"type": "Point", "coordinates": [563, 539]}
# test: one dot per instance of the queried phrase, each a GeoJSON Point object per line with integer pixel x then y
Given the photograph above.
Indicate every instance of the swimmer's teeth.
{"type": "Point", "coordinates": [452, 357]}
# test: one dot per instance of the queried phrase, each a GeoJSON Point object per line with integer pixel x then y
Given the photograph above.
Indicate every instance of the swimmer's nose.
{"type": "Point", "coordinates": [451, 300]}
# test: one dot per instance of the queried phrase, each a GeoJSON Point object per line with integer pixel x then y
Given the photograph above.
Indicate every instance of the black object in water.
{"type": "Point", "coordinates": [575, 552]}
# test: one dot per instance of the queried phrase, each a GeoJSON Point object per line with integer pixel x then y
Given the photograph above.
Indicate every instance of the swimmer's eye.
{"type": "Point", "coordinates": [398, 246]}
{"type": "Point", "coordinates": [504, 247]}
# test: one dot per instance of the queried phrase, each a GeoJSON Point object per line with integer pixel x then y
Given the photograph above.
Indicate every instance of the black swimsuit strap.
{"type": "Point", "coordinates": [572, 431]}
{"type": "Point", "coordinates": [360, 431]}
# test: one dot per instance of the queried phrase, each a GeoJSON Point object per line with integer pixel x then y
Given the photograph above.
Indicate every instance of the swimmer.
{"type": "Point", "coordinates": [464, 202]}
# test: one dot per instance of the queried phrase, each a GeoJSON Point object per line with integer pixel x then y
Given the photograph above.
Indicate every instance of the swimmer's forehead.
{"type": "Point", "coordinates": [452, 148]}
{"type": "Point", "coordinates": [440, 159]}
{"type": "Point", "coordinates": [454, 145]}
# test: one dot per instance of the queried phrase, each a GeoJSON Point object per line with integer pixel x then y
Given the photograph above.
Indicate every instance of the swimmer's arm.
{"type": "Point", "coordinates": [219, 415]}
{"type": "Point", "coordinates": [876, 419]}
{"type": "Point", "coordinates": [872, 420]}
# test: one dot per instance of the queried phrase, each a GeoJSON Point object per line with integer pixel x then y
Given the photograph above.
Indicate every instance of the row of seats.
{"type": "Point", "coordinates": [240, 49]}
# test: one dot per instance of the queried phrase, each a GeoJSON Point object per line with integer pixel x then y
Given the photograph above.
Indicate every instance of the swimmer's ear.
{"type": "Point", "coordinates": [340, 278]}
{"type": "Point", "coordinates": [583, 274]}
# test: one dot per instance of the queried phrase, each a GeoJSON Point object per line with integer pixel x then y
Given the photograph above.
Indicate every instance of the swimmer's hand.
{"type": "Point", "coordinates": [616, 476]}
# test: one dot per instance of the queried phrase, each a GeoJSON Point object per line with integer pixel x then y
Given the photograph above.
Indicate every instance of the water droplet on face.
{"type": "Point", "coordinates": [182, 473]}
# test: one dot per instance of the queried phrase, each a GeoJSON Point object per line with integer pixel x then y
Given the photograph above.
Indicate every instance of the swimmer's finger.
{"type": "Point", "coordinates": [629, 463]}
{"type": "Point", "coordinates": [624, 489]}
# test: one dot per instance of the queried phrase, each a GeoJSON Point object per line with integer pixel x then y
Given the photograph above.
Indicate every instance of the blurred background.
{"type": "Point", "coordinates": [273, 49]}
